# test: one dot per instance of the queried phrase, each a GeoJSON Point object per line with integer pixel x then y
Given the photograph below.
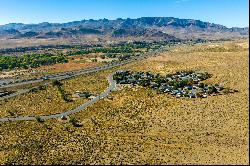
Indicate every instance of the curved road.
{"type": "Point", "coordinates": [62, 76]}
{"type": "Point", "coordinates": [70, 74]}
{"type": "Point", "coordinates": [112, 86]}
{"type": "Point", "coordinates": [66, 75]}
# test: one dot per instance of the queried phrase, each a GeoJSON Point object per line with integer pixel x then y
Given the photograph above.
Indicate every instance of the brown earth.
{"type": "Point", "coordinates": [138, 126]}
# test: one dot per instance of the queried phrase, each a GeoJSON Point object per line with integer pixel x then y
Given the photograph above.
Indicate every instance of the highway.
{"type": "Point", "coordinates": [67, 75]}
{"type": "Point", "coordinates": [70, 74]}
{"type": "Point", "coordinates": [60, 76]}
{"type": "Point", "coordinates": [112, 87]}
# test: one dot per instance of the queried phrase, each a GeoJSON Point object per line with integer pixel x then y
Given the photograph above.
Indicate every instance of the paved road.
{"type": "Point", "coordinates": [19, 92]}
{"type": "Point", "coordinates": [60, 77]}
{"type": "Point", "coordinates": [112, 86]}
{"type": "Point", "coordinates": [67, 75]}
{"type": "Point", "coordinates": [70, 74]}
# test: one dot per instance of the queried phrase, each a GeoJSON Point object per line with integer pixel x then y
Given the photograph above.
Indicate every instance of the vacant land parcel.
{"type": "Point", "coordinates": [138, 126]}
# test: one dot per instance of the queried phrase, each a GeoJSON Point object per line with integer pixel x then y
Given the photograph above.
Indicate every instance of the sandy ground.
{"type": "Point", "coordinates": [138, 126]}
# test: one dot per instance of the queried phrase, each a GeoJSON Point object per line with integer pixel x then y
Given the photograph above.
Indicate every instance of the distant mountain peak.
{"type": "Point", "coordinates": [158, 26]}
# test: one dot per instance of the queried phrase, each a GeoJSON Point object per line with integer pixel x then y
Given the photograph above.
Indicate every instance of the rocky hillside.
{"type": "Point", "coordinates": [166, 28]}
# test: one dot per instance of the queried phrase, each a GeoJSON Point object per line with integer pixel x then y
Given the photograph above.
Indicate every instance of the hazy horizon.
{"type": "Point", "coordinates": [230, 13]}
{"type": "Point", "coordinates": [111, 19]}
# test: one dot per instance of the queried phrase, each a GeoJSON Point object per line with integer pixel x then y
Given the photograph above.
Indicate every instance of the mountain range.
{"type": "Point", "coordinates": [165, 28]}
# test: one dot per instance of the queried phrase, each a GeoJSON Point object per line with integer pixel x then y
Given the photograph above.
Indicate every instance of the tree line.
{"type": "Point", "coordinates": [30, 61]}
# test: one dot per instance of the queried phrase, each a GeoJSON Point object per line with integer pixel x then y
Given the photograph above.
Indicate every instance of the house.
{"type": "Point", "coordinates": [184, 78]}
{"type": "Point", "coordinates": [169, 79]}
{"type": "Point", "coordinates": [194, 91]}
{"type": "Point", "coordinates": [157, 82]}
{"type": "Point", "coordinates": [195, 87]}
{"type": "Point", "coordinates": [205, 89]}
{"type": "Point", "coordinates": [174, 92]}
{"type": "Point", "coordinates": [131, 80]}
{"type": "Point", "coordinates": [204, 95]}
{"type": "Point", "coordinates": [192, 95]}
{"type": "Point", "coordinates": [196, 80]}
{"type": "Point", "coordinates": [143, 75]}
{"type": "Point", "coordinates": [218, 87]}
{"type": "Point", "coordinates": [123, 82]}
{"type": "Point", "coordinates": [168, 89]}
{"type": "Point", "coordinates": [162, 88]}
{"type": "Point", "coordinates": [79, 94]}
{"type": "Point", "coordinates": [153, 85]}
{"type": "Point", "coordinates": [178, 95]}
{"type": "Point", "coordinates": [92, 97]}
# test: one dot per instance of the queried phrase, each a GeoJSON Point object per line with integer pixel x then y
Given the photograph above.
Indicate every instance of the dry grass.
{"type": "Point", "coordinates": [139, 126]}
{"type": "Point", "coordinates": [63, 67]}
{"type": "Point", "coordinates": [51, 69]}
{"type": "Point", "coordinates": [49, 101]}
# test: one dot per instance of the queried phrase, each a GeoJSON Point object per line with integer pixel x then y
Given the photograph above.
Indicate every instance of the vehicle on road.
{"type": "Point", "coordinates": [63, 117]}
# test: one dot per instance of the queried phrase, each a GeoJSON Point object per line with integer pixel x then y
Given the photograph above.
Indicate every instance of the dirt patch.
{"type": "Point", "coordinates": [139, 126]}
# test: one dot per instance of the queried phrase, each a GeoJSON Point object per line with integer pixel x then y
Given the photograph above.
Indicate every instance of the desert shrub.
{"type": "Point", "coordinates": [124, 57]}
{"type": "Point", "coordinates": [94, 60]}
{"type": "Point", "coordinates": [199, 94]}
{"type": "Point", "coordinates": [63, 94]}
{"type": "Point", "coordinates": [179, 84]}
{"type": "Point", "coordinates": [212, 89]}
{"type": "Point", "coordinates": [12, 112]}
{"type": "Point", "coordinates": [61, 90]}
{"type": "Point", "coordinates": [41, 87]}
{"type": "Point", "coordinates": [102, 57]}
{"type": "Point", "coordinates": [39, 119]}
{"type": "Point", "coordinates": [144, 83]}
{"type": "Point", "coordinates": [201, 85]}
{"type": "Point", "coordinates": [227, 90]}
{"type": "Point", "coordinates": [205, 76]}
{"type": "Point", "coordinates": [56, 83]}
{"type": "Point", "coordinates": [74, 121]}
{"type": "Point", "coordinates": [111, 55]}
{"type": "Point", "coordinates": [159, 80]}
{"type": "Point", "coordinates": [34, 90]}
{"type": "Point", "coordinates": [47, 127]}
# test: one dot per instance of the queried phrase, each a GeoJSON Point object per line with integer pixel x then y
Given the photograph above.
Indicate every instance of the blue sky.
{"type": "Point", "coordinates": [231, 13]}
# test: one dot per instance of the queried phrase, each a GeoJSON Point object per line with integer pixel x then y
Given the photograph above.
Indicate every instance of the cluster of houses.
{"type": "Point", "coordinates": [181, 84]}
